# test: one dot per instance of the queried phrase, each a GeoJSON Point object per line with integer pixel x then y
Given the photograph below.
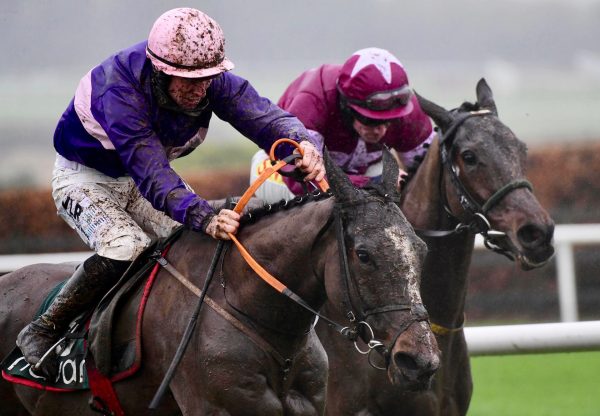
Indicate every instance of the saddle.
{"type": "Point", "coordinates": [91, 338]}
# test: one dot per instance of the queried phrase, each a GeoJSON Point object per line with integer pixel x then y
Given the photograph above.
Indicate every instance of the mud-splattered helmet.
{"type": "Point", "coordinates": [187, 43]}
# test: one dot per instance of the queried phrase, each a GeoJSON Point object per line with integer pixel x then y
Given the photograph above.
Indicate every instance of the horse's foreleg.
{"type": "Point", "coordinates": [230, 391]}
{"type": "Point", "coordinates": [307, 394]}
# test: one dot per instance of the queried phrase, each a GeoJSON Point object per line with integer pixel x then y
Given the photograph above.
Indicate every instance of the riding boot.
{"type": "Point", "coordinates": [85, 287]}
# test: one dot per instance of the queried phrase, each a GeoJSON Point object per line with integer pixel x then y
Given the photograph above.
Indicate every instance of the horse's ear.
{"type": "Point", "coordinates": [485, 98]}
{"type": "Point", "coordinates": [341, 186]}
{"type": "Point", "coordinates": [390, 172]}
{"type": "Point", "coordinates": [440, 115]}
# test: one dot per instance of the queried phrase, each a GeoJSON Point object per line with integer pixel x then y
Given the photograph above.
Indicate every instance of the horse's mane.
{"type": "Point", "coordinates": [256, 214]}
{"type": "Point", "coordinates": [467, 106]}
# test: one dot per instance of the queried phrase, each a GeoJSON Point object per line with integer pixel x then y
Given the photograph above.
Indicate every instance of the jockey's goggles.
{"type": "Point", "coordinates": [384, 100]}
{"type": "Point", "coordinates": [370, 122]}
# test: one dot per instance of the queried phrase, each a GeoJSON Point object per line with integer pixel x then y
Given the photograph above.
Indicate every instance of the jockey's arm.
{"type": "Point", "coordinates": [263, 122]}
{"type": "Point", "coordinates": [125, 118]}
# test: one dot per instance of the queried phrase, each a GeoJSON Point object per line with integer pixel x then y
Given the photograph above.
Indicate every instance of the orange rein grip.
{"type": "Point", "coordinates": [258, 182]}
{"type": "Point", "coordinates": [258, 269]}
{"type": "Point", "coordinates": [323, 185]}
{"type": "Point", "coordinates": [281, 141]}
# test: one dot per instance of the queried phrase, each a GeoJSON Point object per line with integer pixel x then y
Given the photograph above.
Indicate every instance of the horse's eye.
{"type": "Point", "coordinates": [363, 256]}
{"type": "Point", "coordinates": [469, 157]}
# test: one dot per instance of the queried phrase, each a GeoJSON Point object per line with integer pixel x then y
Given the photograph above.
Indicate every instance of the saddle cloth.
{"type": "Point", "coordinates": [115, 357]}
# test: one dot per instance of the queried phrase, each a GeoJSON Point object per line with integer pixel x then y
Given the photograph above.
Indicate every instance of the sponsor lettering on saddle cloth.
{"type": "Point", "coordinates": [71, 360]}
{"type": "Point", "coordinates": [87, 337]}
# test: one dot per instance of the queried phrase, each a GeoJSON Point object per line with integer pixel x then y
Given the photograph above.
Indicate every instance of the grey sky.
{"type": "Point", "coordinates": [67, 33]}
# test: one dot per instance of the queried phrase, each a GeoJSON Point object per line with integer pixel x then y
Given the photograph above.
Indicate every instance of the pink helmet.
{"type": "Point", "coordinates": [374, 84]}
{"type": "Point", "coordinates": [187, 43]}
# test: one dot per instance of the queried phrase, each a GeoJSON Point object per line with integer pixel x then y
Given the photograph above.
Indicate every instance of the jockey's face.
{"type": "Point", "coordinates": [371, 133]}
{"type": "Point", "coordinates": [188, 92]}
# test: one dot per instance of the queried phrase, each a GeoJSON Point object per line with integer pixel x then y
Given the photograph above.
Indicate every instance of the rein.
{"type": "Point", "coordinates": [189, 330]}
{"type": "Point", "coordinates": [218, 251]}
{"type": "Point", "coordinates": [477, 222]}
{"type": "Point", "coordinates": [258, 269]}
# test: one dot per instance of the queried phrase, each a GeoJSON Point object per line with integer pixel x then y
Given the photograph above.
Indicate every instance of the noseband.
{"type": "Point", "coordinates": [477, 221]}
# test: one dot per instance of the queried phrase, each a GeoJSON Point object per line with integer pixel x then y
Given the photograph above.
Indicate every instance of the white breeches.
{"type": "Point", "coordinates": [110, 215]}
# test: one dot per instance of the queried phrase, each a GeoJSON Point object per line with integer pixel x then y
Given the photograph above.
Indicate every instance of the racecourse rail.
{"type": "Point", "coordinates": [569, 335]}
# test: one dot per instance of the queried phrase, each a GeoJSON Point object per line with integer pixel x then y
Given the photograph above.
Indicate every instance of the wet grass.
{"type": "Point", "coordinates": [564, 384]}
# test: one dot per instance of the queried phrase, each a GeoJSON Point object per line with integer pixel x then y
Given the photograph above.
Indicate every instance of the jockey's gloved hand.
{"type": "Point", "coordinates": [226, 221]}
{"type": "Point", "coordinates": [311, 162]}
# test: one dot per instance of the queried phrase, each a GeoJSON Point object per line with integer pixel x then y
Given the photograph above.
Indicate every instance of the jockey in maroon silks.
{"type": "Point", "coordinates": [130, 116]}
{"type": "Point", "coordinates": [354, 109]}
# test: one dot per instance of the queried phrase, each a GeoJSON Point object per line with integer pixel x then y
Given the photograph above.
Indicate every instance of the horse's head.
{"type": "Point", "coordinates": [377, 278]}
{"type": "Point", "coordinates": [484, 180]}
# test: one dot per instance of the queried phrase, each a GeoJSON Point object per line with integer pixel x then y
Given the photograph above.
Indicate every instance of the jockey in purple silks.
{"type": "Point", "coordinates": [354, 109]}
{"type": "Point", "coordinates": [131, 115]}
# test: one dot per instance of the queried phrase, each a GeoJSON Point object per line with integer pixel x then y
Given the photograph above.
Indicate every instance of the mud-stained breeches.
{"type": "Point", "coordinates": [110, 215]}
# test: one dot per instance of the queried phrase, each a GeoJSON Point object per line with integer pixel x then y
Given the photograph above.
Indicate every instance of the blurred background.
{"type": "Point", "coordinates": [540, 57]}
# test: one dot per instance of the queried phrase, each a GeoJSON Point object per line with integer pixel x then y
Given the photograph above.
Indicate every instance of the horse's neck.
{"type": "Point", "coordinates": [282, 244]}
{"type": "Point", "coordinates": [444, 279]}
{"type": "Point", "coordinates": [421, 200]}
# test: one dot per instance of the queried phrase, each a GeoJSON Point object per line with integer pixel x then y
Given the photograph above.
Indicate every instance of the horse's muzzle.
{"type": "Point", "coordinates": [414, 358]}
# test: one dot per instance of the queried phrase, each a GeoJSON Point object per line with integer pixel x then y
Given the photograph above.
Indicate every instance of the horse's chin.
{"type": "Point", "coordinates": [407, 383]}
{"type": "Point", "coordinates": [527, 259]}
{"type": "Point", "coordinates": [528, 263]}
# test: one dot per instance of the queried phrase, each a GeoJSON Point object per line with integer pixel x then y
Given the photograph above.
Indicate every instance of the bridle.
{"type": "Point", "coordinates": [356, 314]}
{"type": "Point", "coordinates": [476, 220]}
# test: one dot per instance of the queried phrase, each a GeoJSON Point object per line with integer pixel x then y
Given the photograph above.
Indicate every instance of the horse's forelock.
{"type": "Point", "coordinates": [468, 106]}
{"type": "Point", "coordinates": [370, 193]}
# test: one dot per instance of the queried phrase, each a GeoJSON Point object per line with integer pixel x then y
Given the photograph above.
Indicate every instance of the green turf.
{"type": "Point", "coordinates": [537, 385]}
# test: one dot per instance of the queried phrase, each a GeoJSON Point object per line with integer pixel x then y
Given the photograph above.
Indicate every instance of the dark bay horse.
{"type": "Point", "coordinates": [356, 250]}
{"type": "Point", "coordinates": [472, 182]}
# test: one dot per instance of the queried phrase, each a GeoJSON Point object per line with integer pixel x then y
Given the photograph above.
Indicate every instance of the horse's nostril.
{"type": "Point", "coordinates": [429, 372]}
{"type": "Point", "coordinates": [531, 235]}
{"type": "Point", "coordinates": [405, 361]}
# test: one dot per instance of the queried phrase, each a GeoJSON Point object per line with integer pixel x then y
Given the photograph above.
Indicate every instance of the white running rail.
{"type": "Point", "coordinates": [565, 237]}
{"type": "Point", "coordinates": [533, 338]}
